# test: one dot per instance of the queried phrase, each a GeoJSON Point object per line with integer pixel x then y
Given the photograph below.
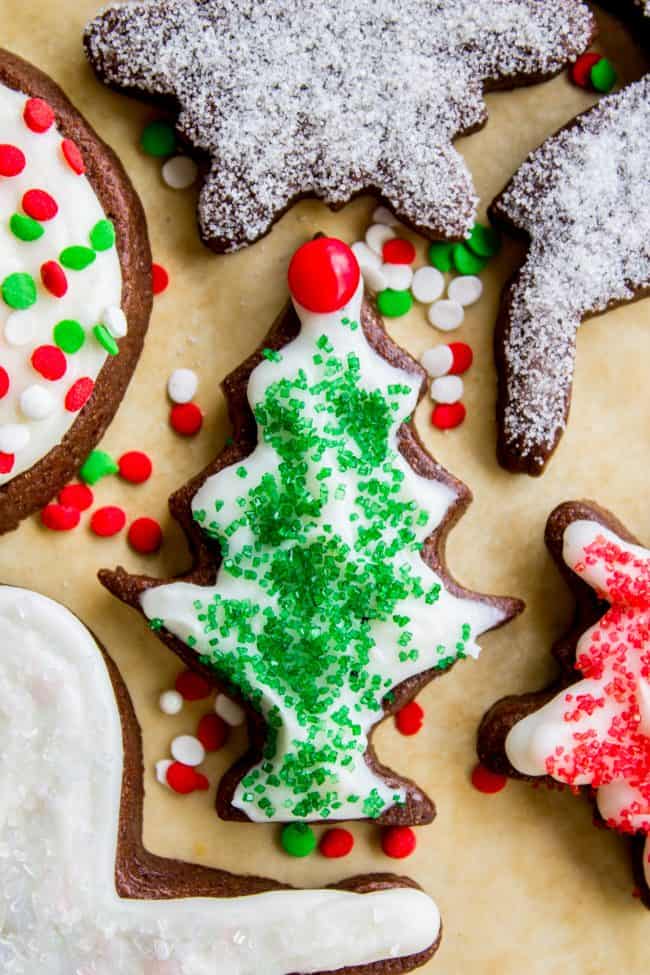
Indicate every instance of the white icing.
{"type": "Point", "coordinates": [89, 291]}
{"type": "Point", "coordinates": [61, 770]}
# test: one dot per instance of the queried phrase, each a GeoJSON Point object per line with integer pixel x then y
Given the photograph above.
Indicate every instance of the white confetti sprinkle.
{"type": "Point", "coordinates": [428, 284]}
{"type": "Point", "coordinates": [36, 402]}
{"type": "Point", "coordinates": [179, 172]}
{"type": "Point", "coordinates": [446, 315]}
{"type": "Point", "coordinates": [182, 385]}
{"type": "Point", "coordinates": [170, 702]}
{"type": "Point", "coordinates": [229, 710]}
{"type": "Point", "coordinates": [377, 235]}
{"type": "Point", "coordinates": [162, 767]}
{"type": "Point", "coordinates": [13, 438]}
{"type": "Point", "coordinates": [398, 276]}
{"type": "Point", "coordinates": [115, 321]}
{"type": "Point", "coordinates": [437, 361]}
{"type": "Point", "coordinates": [188, 750]}
{"type": "Point", "coordinates": [465, 290]}
{"type": "Point", "coordinates": [447, 389]}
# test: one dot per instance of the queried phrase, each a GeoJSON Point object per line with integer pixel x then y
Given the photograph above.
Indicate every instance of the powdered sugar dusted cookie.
{"type": "Point", "coordinates": [591, 729]}
{"type": "Point", "coordinates": [332, 99]}
{"type": "Point", "coordinates": [78, 891]}
{"type": "Point", "coordinates": [74, 254]}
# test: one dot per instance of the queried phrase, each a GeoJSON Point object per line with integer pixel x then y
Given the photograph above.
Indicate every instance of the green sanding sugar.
{"type": "Point", "coordinates": [441, 256]}
{"type": "Point", "coordinates": [25, 228]}
{"type": "Point", "coordinates": [102, 236]}
{"type": "Point", "coordinates": [484, 241]}
{"type": "Point", "coordinates": [158, 138]}
{"type": "Point", "coordinates": [105, 339]}
{"type": "Point", "coordinates": [298, 839]}
{"type": "Point", "coordinates": [393, 304]}
{"type": "Point", "coordinates": [98, 464]}
{"type": "Point", "coordinates": [19, 290]}
{"type": "Point", "coordinates": [69, 335]}
{"type": "Point", "coordinates": [466, 262]}
{"type": "Point", "coordinates": [76, 258]}
{"type": "Point", "coordinates": [603, 75]}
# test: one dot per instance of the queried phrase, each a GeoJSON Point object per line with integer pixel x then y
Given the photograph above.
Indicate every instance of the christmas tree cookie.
{"type": "Point", "coordinates": [591, 729]}
{"type": "Point", "coordinates": [320, 595]}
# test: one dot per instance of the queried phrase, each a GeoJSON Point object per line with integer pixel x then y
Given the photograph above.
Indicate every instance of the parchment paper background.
{"type": "Point", "coordinates": [523, 880]}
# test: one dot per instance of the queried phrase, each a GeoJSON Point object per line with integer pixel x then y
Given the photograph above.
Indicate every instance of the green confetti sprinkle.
{"type": "Point", "coordinates": [97, 465]}
{"type": "Point", "coordinates": [467, 262]}
{"type": "Point", "coordinates": [77, 258]}
{"type": "Point", "coordinates": [69, 335]}
{"type": "Point", "coordinates": [441, 256]}
{"type": "Point", "coordinates": [603, 75]}
{"type": "Point", "coordinates": [102, 236]}
{"type": "Point", "coordinates": [393, 304]}
{"type": "Point", "coordinates": [19, 290]}
{"type": "Point", "coordinates": [105, 339]}
{"type": "Point", "coordinates": [298, 839]}
{"type": "Point", "coordinates": [25, 228]}
{"type": "Point", "coordinates": [484, 241]}
{"type": "Point", "coordinates": [158, 138]}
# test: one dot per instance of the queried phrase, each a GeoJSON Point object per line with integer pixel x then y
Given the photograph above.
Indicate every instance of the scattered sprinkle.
{"type": "Point", "coordinates": [107, 521]}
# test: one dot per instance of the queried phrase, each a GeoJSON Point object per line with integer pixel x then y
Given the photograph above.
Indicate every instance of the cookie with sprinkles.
{"type": "Point", "coordinates": [288, 100]}
{"type": "Point", "coordinates": [79, 891]}
{"type": "Point", "coordinates": [575, 200]}
{"type": "Point", "coordinates": [73, 251]}
{"type": "Point", "coordinates": [590, 730]}
{"type": "Point", "coordinates": [319, 595]}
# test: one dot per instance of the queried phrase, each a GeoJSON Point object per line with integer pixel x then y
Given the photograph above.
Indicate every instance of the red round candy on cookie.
{"type": "Point", "coordinates": [77, 496]}
{"type": "Point", "coordinates": [135, 466]}
{"type": "Point", "coordinates": [323, 275]}
{"type": "Point", "coordinates": [336, 843]}
{"type": "Point", "coordinates": [186, 419]}
{"type": "Point", "coordinates": [38, 115]}
{"type": "Point", "coordinates": [6, 462]}
{"type": "Point", "coordinates": [4, 382]}
{"type": "Point", "coordinates": [12, 160]}
{"type": "Point", "coordinates": [398, 842]}
{"type": "Point", "coordinates": [159, 279]}
{"type": "Point", "coordinates": [49, 361]}
{"type": "Point", "coordinates": [107, 521]}
{"type": "Point", "coordinates": [145, 536]}
{"type": "Point", "coordinates": [409, 718]}
{"type": "Point", "coordinates": [73, 157]}
{"type": "Point", "coordinates": [39, 205]}
{"type": "Point", "coordinates": [462, 358]}
{"type": "Point", "coordinates": [581, 70]}
{"type": "Point", "coordinates": [79, 394]}
{"type": "Point", "coordinates": [60, 518]}
{"type": "Point", "coordinates": [54, 278]}
{"type": "Point", "coordinates": [447, 416]}
{"type": "Point", "coordinates": [486, 781]}
{"type": "Point", "coordinates": [212, 732]}
{"type": "Point", "coordinates": [398, 251]}
{"type": "Point", "coordinates": [181, 778]}
{"type": "Point", "coordinates": [191, 686]}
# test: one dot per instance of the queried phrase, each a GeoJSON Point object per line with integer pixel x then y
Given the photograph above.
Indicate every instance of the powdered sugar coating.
{"type": "Point", "coordinates": [297, 97]}
{"type": "Point", "coordinates": [579, 198]}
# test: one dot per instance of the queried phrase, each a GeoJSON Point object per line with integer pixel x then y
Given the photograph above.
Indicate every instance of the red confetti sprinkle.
{"type": "Point", "coordinates": [186, 419]}
{"type": "Point", "coordinates": [323, 275]}
{"type": "Point", "coordinates": [446, 416]}
{"type": "Point", "coordinates": [409, 719]}
{"type": "Point", "coordinates": [73, 156]}
{"type": "Point", "coordinates": [4, 382]}
{"type": "Point", "coordinates": [79, 394]}
{"type": "Point", "coordinates": [135, 467]}
{"type": "Point", "coordinates": [40, 205]}
{"type": "Point", "coordinates": [398, 251]}
{"type": "Point", "coordinates": [77, 496]}
{"type": "Point", "coordinates": [462, 358]}
{"type": "Point", "coordinates": [49, 361]}
{"type": "Point", "coordinates": [182, 778]}
{"type": "Point", "coordinates": [38, 115]}
{"type": "Point", "coordinates": [145, 535]}
{"type": "Point", "coordinates": [191, 686]}
{"type": "Point", "coordinates": [201, 782]}
{"type": "Point", "coordinates": [54, 278]}
{"type": "Point", "coordinates": [212, 732]}
{"type": "Point", "coordinates": [486, 781]}
{"type": "Point", "coordinates": [581, 70]}
{"type": "Point", "coordinates": [6, 463]}
{"type": "Point", "coordinates": [108, 521]}
{"type": "Point", "coordinates": [398, 842]}
{"type": "Point", "coordinates": [12, 160]}
{"type": "Point", "coordinates": [60, 518]}
{"type": "Point", "coordinates": [159, 278]}
{"type": "Point", "coordinates": [336, 843]}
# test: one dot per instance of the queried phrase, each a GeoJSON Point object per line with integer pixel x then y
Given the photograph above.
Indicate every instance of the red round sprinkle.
{"type": "Point", "coordinates": [145, 535]}
{"type": "Point", "coordinates": [79, 394]}
{"type": "Point", "coordinates": [201, 782]}
{"type": "Point", "coordinates": [107, 521]}
{"type": "Point", "coordinates": [60, 518]}
{"type": "Point", "coordinates": [323, 275]}
{"type": "Point", "coordinates": [398, 251]}
{"type": "Point", "coordinates": [6, 463]}
{"type": "Point", "coordinates": [38, 115]}
{"type": "Point", "coordinates": [181, 778]}
{"type": "Point", "coordinates": [49, 361]}
{"type": "Point", "coordinates": [40, 205]}
{"type": "Point", "coordinates": [73, 157]}
{"type": "Point", "coordinates": [398, 842]}
{"type": "Point", "coordinates": [4, 382]}
{"type": "Point", "coordinates": [191, 686]}
{"type": "Point", "coordinates": [159, 278]}
{"type": "Point", "coordinates": [486, 781]}
{"type": "Point", "coordinates": [336, 843]}
{"type": "Point", "coordinates": [186, 419]}
{"type": "Point", "coordinates": [12, 160]}
{"type": "Point", "coordinates": [446, 416]}
{"type": "Point", "coordinates": [54, 279]}
{"type": "Point", "coordinates": [409, 719]}
{"type": "Point", "coordinates": [581, 70]}
{"type": "Point", "coordinates": [77, 496]}
{"type": "Point", "coordinates": [135, 466]}
{"type": "Point", "coordinates": [212, 732]}
{"type": "Point", "coordinates": [462, 358]}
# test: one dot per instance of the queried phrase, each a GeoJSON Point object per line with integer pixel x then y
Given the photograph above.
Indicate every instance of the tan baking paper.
{"type": "Point", "coordinates": [522, 879]}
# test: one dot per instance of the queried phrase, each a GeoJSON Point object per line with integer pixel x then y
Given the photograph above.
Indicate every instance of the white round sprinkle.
{"type": "Point", "coordinates": [182, 385]}
{"type": "Point", "coordinates": [465, 290]}
{"type": "Point", "coordinates": [446, 315]}
{"type": "Point", "coordinates": [188, 750]}
{"type": "Point", "coordinates": [365, 256]}
{"type": "Point", "coordinates": [179, 172]}
{"type": "Point", "coordinates": [115, 321]}
{"type": "Point", "coordinates": [170, 702]}
{"type": "Point", "coordinates": [428, 284]}
{"type": "Point", "coordinates": [437, 361]}
{"type": "Point", "coordinates": [36, 402]}
{"type": "Point", "coordinates": [447, 389]}
{"type": "Point", "coordinates": [162, 768]}
{"type": "Point", "coordinates": [383, 215]}
{"type": "Point", "coordinates": [20, 328]}
{"type": "Point", "coordinates": [398, 276]}
{"type": "Point", "coordinates": [374, 278]}
{"type": "Point", "coordinates": [13, 438]}
{"type": "Point", "coordinates": [229, 710]}
{"type": "Point", "coordinates": [377, 235]}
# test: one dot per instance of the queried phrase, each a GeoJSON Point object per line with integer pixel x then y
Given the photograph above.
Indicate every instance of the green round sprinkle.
{"type": "Point", "coordinates": [24, 228]}
{"type": "Point", "coordinates": [603, 75]}
{"type": "Point", "coordinates": [392, 304]}
{"type": "Point", "coordinates": [440, 255]}
{"type": "Point", "coordinates": [298, 840]}
{"type": "Point", "coordinates": [484, 241]}
{"type": "Point", "coordinates": [97, 465]}
{"type": "Point", "coordinates": [105, 339]}
{"type": "Point", "coordinates": [76, 258]}
{"type": "Point", "coordinates": [102, 236]}
{"type": "Point", "coordinates": [158, 138]}
{"type": "Point", "coordinates": [69, 335]}
{"type": "Point", "coordinates": [466, 262]}
{"type": "Point", "coordinates": [19, 290]}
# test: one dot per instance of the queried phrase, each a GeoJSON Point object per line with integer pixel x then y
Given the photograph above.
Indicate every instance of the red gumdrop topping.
{"type": "Point", "coordinates": [49, 361]}
{"type": "Point", "coordinates": [73, 156]}
{"type": "Point", "coordinates": [192, 687]}
{"type": "Point", "coordinates": [447, 416]}
{"type": "Point", "coordinates": [135, 467]}
{"type": "Point", "coordinates": [409, 719]}
{"type": "Point", "coordinates": [398, 842]}
{"type": "Point", "coordinates": [323, 275]}
{"type": "Point", "coordinates": [38, 115]}
{"type": "Point", "coordinates": [487, 781]}
{"type": "Point", "coordinates": [79, 394]}
{"type": "Point", "coordinates": [462, 358]}
{"type": "Point", "coordinates": [60, 518]}
{"type": "Point", "coordinates": [581, 69]}
{"type": "Point", "coordinates": [6, 462]}
{"type": "Point", "coordinates": [107, 521]}
{"type": "Point", "coordinates": [39, 205]}
{"type": "Point", "coordinates": [186, 419]}
{"type": "Point", "coordinates": [145, 536]}
{"type": "Point", "coordinates": [54, 278]}
{"type": "Point", "coordinates": [4, 382]}
{"type": "Point", "coordinates": [336, 843]}
{"type": "Point", "coordinates": [398, 251]}
{"type": "Point", "coordinates": [181, 778]}
{"type": "Point", "coordinates": [12, 160]}
{"type": "Point", "coordinates": [77, 496]}
{"type": "Point", "coordinates": [159, 278]}
{"type": "Point", "coordinates": [212, 732]}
